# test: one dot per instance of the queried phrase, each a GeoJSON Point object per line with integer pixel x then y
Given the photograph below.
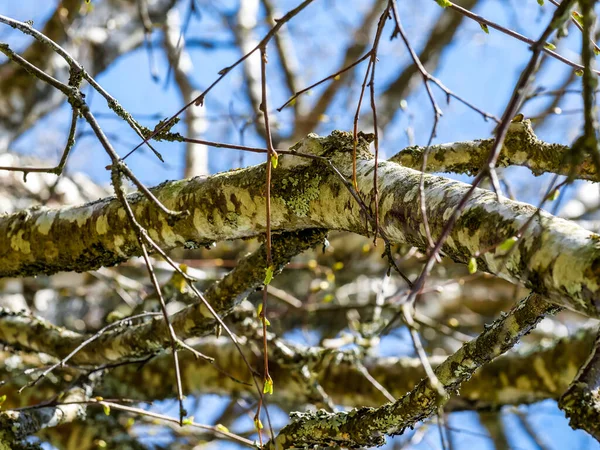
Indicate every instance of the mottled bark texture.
{"type": "Point", "coordinates": [518, 377]}
{"type": "Point", "coordinates": [553, 257]}
{"type": "Point", "coordinates": [136, 342]}
{"type": "Point", "coordinates": [521, 148]}
{"type": "Point", "coordinates": [368, 426]}
{"type": "Point", "coordinates": [17, 425]}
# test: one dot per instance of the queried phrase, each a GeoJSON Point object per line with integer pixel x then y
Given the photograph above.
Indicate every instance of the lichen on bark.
{"type": "Point", "coordinates": [521, 148]}
{"type": "Point", "coordinates": [368, 426]}
{"type": "Point", "coordinates": [553, 257]}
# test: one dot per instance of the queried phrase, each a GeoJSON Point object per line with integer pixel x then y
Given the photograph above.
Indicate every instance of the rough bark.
{"type": "Point", "coordinates": [521, 148]}
{"type": "Point", "coordinates": [581, 401]}
{"type": "Point", "coordinates": [17, 425]}
{"type": "Point", "coordinates": [136, 342]}
{"type": "Point", "coordinates": [554, 257]}
{"type": "Point", "coordinates": [520, 377]}
{"type": "Point", "coordinates": [368, 426]}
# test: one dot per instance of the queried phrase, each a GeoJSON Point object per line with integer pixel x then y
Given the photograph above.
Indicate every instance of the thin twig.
{"type": "Point", "coordinates": [333, 76]}
{"type": "Point", "coordinates": [514, 34]}
{"type": "Point", "coordinates": [199, 100]}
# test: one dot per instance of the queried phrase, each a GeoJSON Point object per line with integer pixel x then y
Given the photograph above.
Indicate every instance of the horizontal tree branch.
{"type": "Point", "coordinates": [497, 384]}
{"type": "Point", "coordinates": [521, 148]}
{"type": "Point", "coordinates": [494, 385]}
{"type": "Point", "coordinates": [554, 257]}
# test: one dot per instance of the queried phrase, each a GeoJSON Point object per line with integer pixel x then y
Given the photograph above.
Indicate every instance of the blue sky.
{"type": "Point", "coordinates": [482, 68]}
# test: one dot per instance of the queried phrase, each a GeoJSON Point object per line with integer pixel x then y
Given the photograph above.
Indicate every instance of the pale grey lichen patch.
{"type": "Point", "coordinates": [299, 191]}
{"type": "Point", "coordinates": [569, 273]}
{"type": "Point", "coordinates": [200, 221]}
{"type": "Point", "coordinates": [447, 213]}
{"type": "Point", "coordinates": [470, 239]}
{"type": "Point", "coordinates": [44, 222]}
{"type": "Point", "coordinates": [80, 215]}
{"type": "Point", "coordinates": [411, 194]}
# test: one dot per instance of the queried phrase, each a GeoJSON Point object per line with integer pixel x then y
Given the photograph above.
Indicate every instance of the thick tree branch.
{"type": "Point", "coordinates": [494, 385]}
{"type": "Point", "coordinates": [17, 425]}
{"type": "Point", "coordinates": [554, 257]}
{"type": "Point", "coordinates": [497, 384]}
{"type": "Point", "coordinates": [581, 402]}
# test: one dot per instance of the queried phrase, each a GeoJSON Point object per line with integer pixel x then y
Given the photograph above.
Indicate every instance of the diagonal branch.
{"type": "Point", "coordinates": [17, 425]}
{"type": "Point", "coordinates": [96, 47]}
{"type": "Point", "coordinates": [581, 401]}
{"type": "Point", "coordinates": [136, 342]}
{"type": "Point", "coordinates": [366, 426]}
{"type": "Point", "coordinates": [310, 120]}
{"type": "Point", "coordinates": [196, 155]}
{"type": "Point", "coordinates": [407, 81]}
